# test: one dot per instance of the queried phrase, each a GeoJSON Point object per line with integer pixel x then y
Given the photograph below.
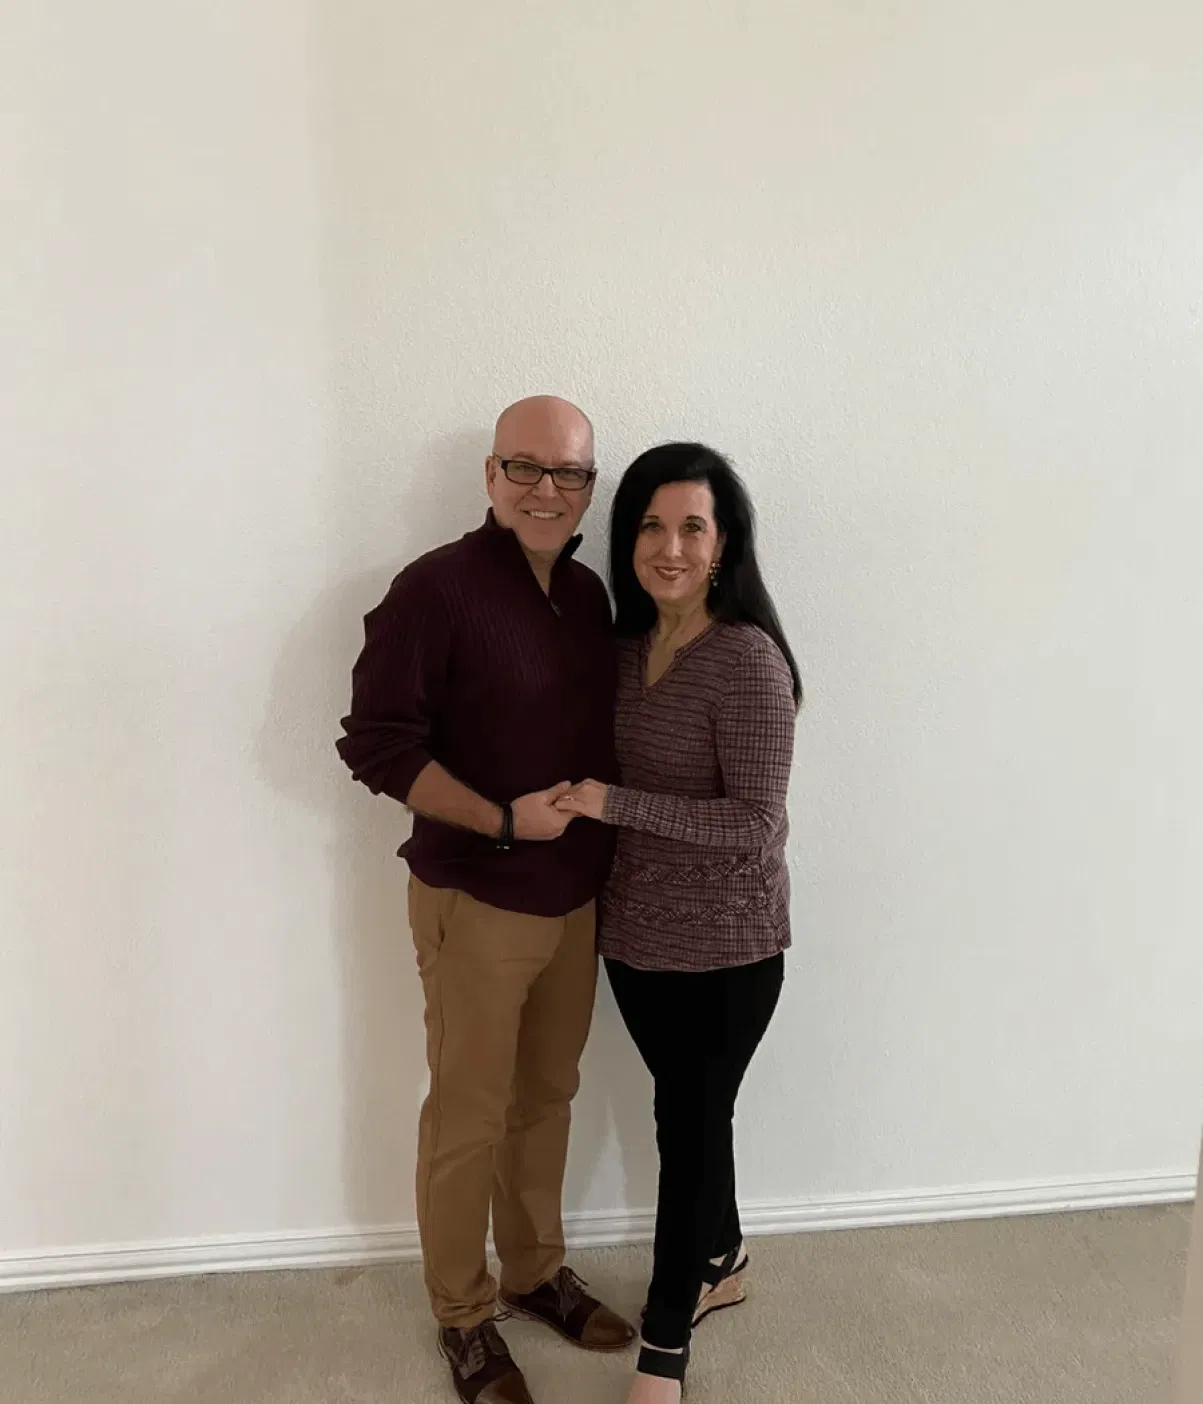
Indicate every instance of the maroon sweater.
{"type": "Point", "coordinates": [467, 662]}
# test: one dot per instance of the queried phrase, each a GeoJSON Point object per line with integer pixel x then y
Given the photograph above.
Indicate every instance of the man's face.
{"type": "Point", "coordinates": [545, 433]}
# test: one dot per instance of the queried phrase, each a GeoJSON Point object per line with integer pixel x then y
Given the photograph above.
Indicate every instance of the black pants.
{"type": "Point", "coordinates": [697, 1034]}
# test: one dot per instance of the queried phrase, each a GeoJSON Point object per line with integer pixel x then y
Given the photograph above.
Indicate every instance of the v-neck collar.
{"type": "Point", "coordinates": [645, 645]}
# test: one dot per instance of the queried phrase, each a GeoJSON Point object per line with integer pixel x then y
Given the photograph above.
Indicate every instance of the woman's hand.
{"type": "Point", "coordinates": [585, 801]}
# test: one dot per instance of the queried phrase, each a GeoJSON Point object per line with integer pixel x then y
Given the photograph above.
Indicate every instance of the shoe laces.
{"type": "Point", "coordinates": [482, 1345]}
{"type": "Point", "coordinates": [570, 1291]}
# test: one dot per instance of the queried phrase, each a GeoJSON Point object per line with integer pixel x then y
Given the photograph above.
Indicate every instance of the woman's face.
{"type": "Point", "coordinates": [678, 541]}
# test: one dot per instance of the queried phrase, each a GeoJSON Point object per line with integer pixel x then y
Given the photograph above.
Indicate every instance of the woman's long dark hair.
{"type": "Point", "coordinates": [739, 595]}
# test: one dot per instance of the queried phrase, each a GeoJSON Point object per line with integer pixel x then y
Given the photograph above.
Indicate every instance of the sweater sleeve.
{"type": "Point", "coordinates": [396, 687]}
{"type": "Point", "coordinates": [754, 736]}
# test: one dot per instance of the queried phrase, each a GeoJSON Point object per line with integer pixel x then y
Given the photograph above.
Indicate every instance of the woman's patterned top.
{"type": "Point", "coordinates": [700, 880]}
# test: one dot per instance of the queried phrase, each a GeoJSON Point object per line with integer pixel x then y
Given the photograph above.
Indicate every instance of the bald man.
{"type": "Point", "coordinates": [486, 687]}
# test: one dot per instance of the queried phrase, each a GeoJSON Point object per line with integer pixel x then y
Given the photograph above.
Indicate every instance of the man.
{"type": "Point", "coordinates": [484, 689]}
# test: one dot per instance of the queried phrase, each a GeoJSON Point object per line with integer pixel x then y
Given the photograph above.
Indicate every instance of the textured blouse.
{"type": "Point", "coordinates": [700, 880]}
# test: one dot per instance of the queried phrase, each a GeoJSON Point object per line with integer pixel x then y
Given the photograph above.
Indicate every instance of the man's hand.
{"type": "Point", "coordinates": [536, 816]}
{"type": "Point", "coordinates": [584, 801]}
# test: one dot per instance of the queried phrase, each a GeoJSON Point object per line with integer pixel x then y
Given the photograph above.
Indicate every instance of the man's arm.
{"type": "Point", "coordinates": [397, 686]}
{"type": "Point", "coordinates": [438, 795]}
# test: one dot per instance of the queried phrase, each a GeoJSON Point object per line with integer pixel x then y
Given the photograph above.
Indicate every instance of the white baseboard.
{"type": "Point", "coordinates": [78, 1267]}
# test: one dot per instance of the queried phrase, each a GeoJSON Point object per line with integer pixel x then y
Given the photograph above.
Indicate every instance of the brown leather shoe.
{"type": "Point", "coordinates": [565, 1306]}
{"type": "Point", "coordinates": [482, 1367]}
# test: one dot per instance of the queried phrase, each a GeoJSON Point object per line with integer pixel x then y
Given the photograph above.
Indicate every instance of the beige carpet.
{"type": "Point", "coordinates": [1078, 1309]}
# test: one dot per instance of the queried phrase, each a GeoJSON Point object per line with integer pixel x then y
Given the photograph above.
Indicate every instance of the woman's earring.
{"type": "Point", "coordinates": [714, 565]}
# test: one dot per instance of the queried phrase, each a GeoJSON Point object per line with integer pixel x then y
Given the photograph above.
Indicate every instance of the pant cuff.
{"type": "Point", "coordinates": [465, 1320]}
{"type": "Point", "coordinates": [666, 1329]}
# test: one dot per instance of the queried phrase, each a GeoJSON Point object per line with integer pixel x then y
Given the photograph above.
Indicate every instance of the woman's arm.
{"type": "Point", "coordinates": [755, 740]}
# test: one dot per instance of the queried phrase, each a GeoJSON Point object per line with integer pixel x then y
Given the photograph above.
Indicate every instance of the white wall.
{"type": "Point", "coordinates": [930, 273]}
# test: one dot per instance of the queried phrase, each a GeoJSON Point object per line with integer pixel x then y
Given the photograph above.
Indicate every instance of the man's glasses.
{"type": "Point", "coordinates": [525, 474]}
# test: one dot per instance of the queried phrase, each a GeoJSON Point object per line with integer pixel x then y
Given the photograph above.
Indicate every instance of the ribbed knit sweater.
{"type": "Point", "coordinates": [467, 662]}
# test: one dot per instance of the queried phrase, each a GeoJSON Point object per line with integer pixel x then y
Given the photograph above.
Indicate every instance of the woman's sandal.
{"type": "Point", "coordinates": [725, 1283]}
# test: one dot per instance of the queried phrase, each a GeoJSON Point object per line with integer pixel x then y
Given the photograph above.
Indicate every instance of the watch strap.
{"type": "Point", "coordinates": [505, 839]}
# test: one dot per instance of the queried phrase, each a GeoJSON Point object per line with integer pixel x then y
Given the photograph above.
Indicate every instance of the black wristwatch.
{"type": "Point", "coordinates": [505, 839]}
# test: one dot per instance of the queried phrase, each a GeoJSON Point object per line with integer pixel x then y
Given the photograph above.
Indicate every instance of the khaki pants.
{"type": "Point", "coordinates": [509, 1000]}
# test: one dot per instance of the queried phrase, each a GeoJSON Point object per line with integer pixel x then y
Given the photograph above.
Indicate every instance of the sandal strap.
{"type": "Point", "coordinates": [714, 1273]}
{"type": "Point", "coordinates": [663, 1364]}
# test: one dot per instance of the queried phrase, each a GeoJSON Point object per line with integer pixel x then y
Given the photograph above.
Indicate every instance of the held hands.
{"type": "Point", "coordinates": [545, 814]}
{"type": "Point", "coordinates": [584, 801]}
{"type": "Point", "coordinates": [536, 816]}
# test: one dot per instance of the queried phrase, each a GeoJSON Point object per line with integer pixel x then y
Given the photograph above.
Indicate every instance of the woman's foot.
{"type": "Point", "coordinates": [658, 1389]}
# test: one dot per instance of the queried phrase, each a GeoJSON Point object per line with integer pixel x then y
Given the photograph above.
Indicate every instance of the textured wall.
{"type": "Point", "coordinates": [930, 274]}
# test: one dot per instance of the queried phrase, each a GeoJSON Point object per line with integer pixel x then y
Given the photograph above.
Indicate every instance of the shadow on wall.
{"type": "Point", "coordinates": [383, 1046]}
{"type": "Point", "coordinates": [380, 1007]}
{"type": "Point", "coordinates": [382, 510]}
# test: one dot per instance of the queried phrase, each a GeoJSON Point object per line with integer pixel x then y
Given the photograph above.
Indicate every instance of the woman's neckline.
{"type": "Point", "coordinates": [678, 654]}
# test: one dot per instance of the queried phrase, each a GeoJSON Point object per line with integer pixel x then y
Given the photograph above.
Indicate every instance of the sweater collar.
{"type": "Point", "coordinates": [493, 531]}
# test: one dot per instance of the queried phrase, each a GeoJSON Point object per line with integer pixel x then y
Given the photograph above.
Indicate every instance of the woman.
{"type": "Point", "coordinates": [695, 916]}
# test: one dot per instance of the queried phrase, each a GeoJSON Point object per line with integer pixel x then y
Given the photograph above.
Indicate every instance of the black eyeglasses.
{"type": "Point", "coordinates": [525, 474]}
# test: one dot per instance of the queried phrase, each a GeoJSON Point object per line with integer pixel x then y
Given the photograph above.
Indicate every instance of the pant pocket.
{"type": "Point", "coordinates": [431, 914]}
